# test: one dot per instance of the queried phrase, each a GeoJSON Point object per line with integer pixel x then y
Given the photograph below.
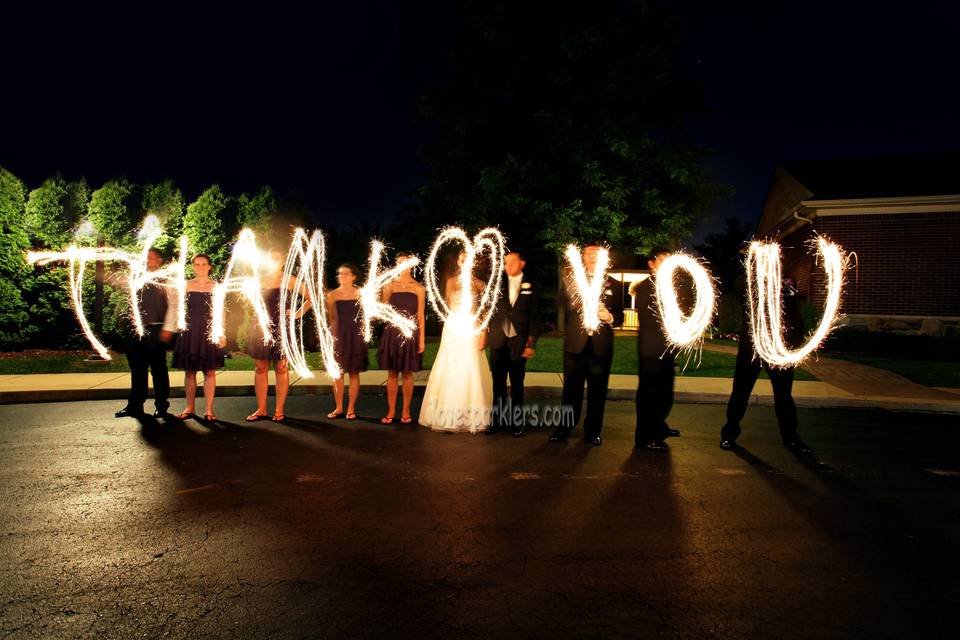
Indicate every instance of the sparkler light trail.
{"type": "Point", "coordinates": [684, 331]}
{"type": "Point", "coordinates": [469, 315]}
{"type": "Point", "coordinates": [370, 301]}
{"type": "Point", "coordinates": [766, 305]}
{"type": "Point", "coordinates": [307, 286]}
{"type": "Point", "coordinates": [588, 291]}
{"type": "Point", "coordinates": [138, 276]}
{"type": "Point", "coordinates": [245, 254]}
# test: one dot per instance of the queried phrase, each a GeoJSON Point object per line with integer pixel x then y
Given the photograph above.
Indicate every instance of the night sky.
{"type": "Point", "coordinates": [318, 100]}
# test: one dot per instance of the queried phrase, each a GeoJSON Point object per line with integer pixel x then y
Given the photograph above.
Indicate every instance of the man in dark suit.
{"type": "Point", "coordinates": [655, 366]}
{"type": "Point", "coordinates": [158, 310]}
{"type": "Point", "coordinates": [747, 369]}
{"type": "Point", "coordinates": [587, 355]}
{"type": "Point", "coordinates": [513, 332]}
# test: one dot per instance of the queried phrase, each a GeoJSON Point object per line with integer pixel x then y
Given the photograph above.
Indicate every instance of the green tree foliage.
{"type": "Point", "coordinates": [256, 212]}
{"type": "Point", "coordinates": [210, 224]}
{"type": "Point", "coordinates": [165, 201]}
{"type": "Point", "coordinates": [560, 125]}
{"type": "Point", "coordinates": [15, 328]}
{"type": "Point", "coordinates": [115, 211]}
{"type": "Point", "coordinates": [55, 209]}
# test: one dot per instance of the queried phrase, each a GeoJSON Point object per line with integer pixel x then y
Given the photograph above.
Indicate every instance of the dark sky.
{"type": "Point", "coordinates": [316, 98]}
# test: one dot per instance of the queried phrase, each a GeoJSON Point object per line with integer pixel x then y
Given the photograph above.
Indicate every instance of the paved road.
{"type": "Point", "coordinates": [357, 530]}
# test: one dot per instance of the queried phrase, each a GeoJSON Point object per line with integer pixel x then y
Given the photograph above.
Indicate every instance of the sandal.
{"type": "Point", "coordinates": [256, 417]}
{"type": "Point", "coordinates": [185, 414]}
{"type": "Point", "coordinates": [351, 416]}
{"type": "Point", "coordinates": [406, 420]}
{"type": "Point", "coordinates": [278, 417]}
{"type": "Point", "coordinates": [387, 420]}
{"type": "Point", "coordinates": [333, 415]}
{"type": "Point", "coordinates": [209, 417]}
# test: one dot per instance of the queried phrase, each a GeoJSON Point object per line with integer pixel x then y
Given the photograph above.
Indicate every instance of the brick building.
{"type": "Point", "coordinates": [900, 215]}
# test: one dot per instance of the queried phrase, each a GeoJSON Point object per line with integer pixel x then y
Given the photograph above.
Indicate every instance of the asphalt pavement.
{"type": "Point", "coordinates": [113, 529]}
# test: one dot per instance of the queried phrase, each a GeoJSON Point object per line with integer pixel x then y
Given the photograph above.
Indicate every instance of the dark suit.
{"type": "Point", "coordinates": [655, 369]}
{"type": "Point", "coordinates": [148, 353]}
{"type": "Point", "coordinates": [748, 368]}
{"type": "Point", "coordinates": [506, 352]}
{"type": "Point", "coordinates": [587, 358]}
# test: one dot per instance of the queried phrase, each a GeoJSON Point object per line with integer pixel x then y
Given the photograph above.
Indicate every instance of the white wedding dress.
{"type": "Point", "coordinates": [459, 393]}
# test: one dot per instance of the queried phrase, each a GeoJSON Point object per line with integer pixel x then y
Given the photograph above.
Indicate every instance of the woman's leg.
{"type": "Point", "coordinates": [391, 394]}
{"type": "Point", "coordinates": [209, 389]}
{"type": "Point", "coordinates": [190, 390]}
{"type": "Point", "coordinates": [407, 393]}
{"type": "Point", "coordinates": [338, 394]}
{"type": "Point", "coordinates": [283, 385]}
{"type": "Point", "coordinates": [260, 384]}
{"type": "Point", "coordinates": [354, 392]}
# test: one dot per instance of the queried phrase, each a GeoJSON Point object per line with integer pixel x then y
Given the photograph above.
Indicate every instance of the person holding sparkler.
{"type": "Point", "coordinates": [157, 304]}
{"type": "Point", "coordinates": [588, 341]}
{"type": "Point", "coordinates": [343, 310]}
{"type": "Point", "coordinates": [194, 352]}
{"type": "Point", "coordinates": [399, 354]}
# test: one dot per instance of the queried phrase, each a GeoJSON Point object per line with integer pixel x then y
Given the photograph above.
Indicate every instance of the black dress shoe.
{"type": "Point", "coordinates": [128, 412]}
{"type": "Point", "coordinates": [656, 445]}
{"type": "Point", "coordinates": [162, 414]}
{"type": "Point", "coordinates": [593, 441]}
{"type": "Point", "coordinates": [517, 432]}
{"type": "Point", "coordinates": [673, 433]}
{"type": "Point", "coordinates": [560, 434]}
{"type": "Point", "coordinates": [798, 446]}
{"type": "Point", "coordinates": [728, 445]}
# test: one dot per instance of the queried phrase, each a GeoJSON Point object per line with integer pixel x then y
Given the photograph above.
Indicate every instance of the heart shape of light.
{"type": "Point", "coordinates": [469, 314]}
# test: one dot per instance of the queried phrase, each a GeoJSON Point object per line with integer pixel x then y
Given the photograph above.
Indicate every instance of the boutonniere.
{"type": "Point", "coordinates": [608, 292]}
{"type": "Point", "coordinates": [525, 285]}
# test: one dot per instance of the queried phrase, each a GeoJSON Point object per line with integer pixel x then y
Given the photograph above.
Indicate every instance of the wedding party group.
{"type": "Point", "coordinates": [467, 389]}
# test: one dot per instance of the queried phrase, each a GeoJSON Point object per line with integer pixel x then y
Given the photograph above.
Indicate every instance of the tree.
{"type": "Point", "coordinates": [55, 209]}
{"type": "Point", "coordinates": [560, 124]}
{"type": "Point", "coordinates": [723, 251]}
{"type": "Point", "coordinates": [115, 212]}
{"type": "Point", "coordinates": [15, 328]}
{"type": "Point", "coordinates": [209, 224]}
{"type": "Point", "coordinates": [256, 212]}
{"type": "Point", "coordinates": [165, 201]}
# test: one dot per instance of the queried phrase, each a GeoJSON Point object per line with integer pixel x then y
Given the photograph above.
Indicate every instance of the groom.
{"type": "Point", "coordinates": [513, 331]}
{"type": "Point", "coordinates": [588, 355]}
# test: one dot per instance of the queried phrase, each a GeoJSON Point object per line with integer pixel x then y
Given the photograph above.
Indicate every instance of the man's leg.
{"type": "Point", "coordinates": [499, 364]}
{"type": "Point", "coordinates": [744, 377]}
{"type": "Point", "coordinates": [786, 409]}
{"type": "Point", "coordinates": [598, 379]}
{"type": "Point", "coordinates": [574, 376]}
{"type": "Point", "coordinates": [157, 352]}
{"type": "Point", "coordinates": [518, 371]}
{"type": "Point", "coordinates": [139, 363]}
{"type": "Point", "coordinates": [664, 400]}
{"type": "Point", "coordinates": [647, 374]}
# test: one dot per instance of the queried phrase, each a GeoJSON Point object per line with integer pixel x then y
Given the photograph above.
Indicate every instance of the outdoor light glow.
{"type": "Point", "coordinates": [370, 301]}
{"type": "Point", "coordinates": [311, 256]}
{"type": "Point", "coordinates": [766, 304]}
{"type": "Point", "coordinates": [684, 331]}
{"type": "Point", "coordinates": [588, 291]}
{"type": "Point", "coordinates": [470, 315]}
{"type": "Point", "coordinates": [245, 254]}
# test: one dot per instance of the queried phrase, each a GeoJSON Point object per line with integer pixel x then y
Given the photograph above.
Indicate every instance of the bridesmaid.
{"type": "Point", "coordinates": [266, 354]}
{"type": "Point", "coordinates": [396, 353]}
{"type": "Point", "coordinates": [194, 351]}
{"type": "Point", "coordinates": [343, 309]}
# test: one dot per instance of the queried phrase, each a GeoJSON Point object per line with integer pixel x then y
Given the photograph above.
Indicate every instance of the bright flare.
{"type": "Point", "coordinates": [311, 256]}
{"type": "Point", "coordinates": [370, 301]}
{"type": "Point", "coordinates": [245, 254]}
{"type": "Point", "coordinates": [684, 331]}
{"type": "Point", "coordinates": [766, 304]}
{"type": "Point", "coordinates": [588, 291]}
{"type": "Point", "coordinates": [469, 315]}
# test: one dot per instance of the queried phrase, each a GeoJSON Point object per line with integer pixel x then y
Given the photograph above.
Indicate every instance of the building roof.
{"type": "Point", "coordinates": [796, 184]}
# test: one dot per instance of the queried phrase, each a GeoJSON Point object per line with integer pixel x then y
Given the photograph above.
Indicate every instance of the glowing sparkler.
{"type": "Point", "coordinates": [245, 254]}
{"type": "Point", "coordinates": [766, 304]}
{"type": "Point", "coordinates": [310, 255]}
{"type": "Point", "coordinates": [370, 301]}
{"type": "Point", "coordinates": [468, 315]}
{"type": "Point", "coordinates": [588, 291]}
{"type": "Point", "coordinates": [138, 276]}
{"type": "Point", "coordinates": [684, 331]}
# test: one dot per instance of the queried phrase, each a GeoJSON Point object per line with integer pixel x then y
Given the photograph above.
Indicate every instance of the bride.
{"type": "Point", "coordinates": [459, 393]}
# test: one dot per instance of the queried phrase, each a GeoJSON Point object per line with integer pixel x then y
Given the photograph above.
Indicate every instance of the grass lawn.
{"type": "Point", "coordinates": [549, 357]}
